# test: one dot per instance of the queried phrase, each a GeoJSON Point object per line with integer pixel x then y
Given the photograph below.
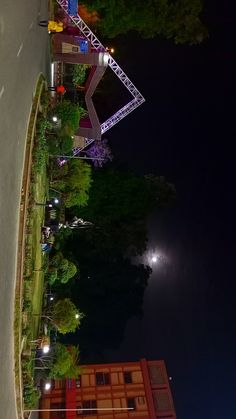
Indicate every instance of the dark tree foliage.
{"type": "Point", "coordinates": [73, 181]}
{"type": "Point", "coordinates": [119, 203]}
{"type": "Point", "coordinates": [173, 19]}
{"type": "Point", "coordinates": [109, 292]}
{"type": "Point", "coordinates": [111, 288]}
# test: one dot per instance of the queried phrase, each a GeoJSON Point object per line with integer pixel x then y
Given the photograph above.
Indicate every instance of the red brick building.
{"type": "Point", "coordinates": [142, 386]}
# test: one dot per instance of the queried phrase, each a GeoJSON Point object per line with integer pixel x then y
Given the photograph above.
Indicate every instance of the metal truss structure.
{"type": "Point", "coordinates": [137, 100]}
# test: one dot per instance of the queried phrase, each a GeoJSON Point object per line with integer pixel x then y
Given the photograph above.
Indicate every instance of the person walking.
{"type": "Point", "coordinates": [58, 89]}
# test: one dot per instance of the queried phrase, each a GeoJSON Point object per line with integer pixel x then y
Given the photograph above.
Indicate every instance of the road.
{"type": "Point", "coordinates": [24, 53]}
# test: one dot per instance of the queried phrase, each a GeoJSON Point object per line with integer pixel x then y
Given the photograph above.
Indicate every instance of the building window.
{"type": "Point", "coordinates": [75, 49]}
{"type": "Point", "coordinates": [87, 404]}
{"type": "Point", "coordinates": [157, 374]}
{"type": "Point", "coordinates": [141, 400]}
{"type": "Point", "coordinates": [131, 403]}
{"type": "Point", "coordinates": [102, 378]}
{"type": "Point", "coordinates": [58, 415]}
{"type": "Point", "coordinates": [127, 377]}
{"type": "Point", "coordinates": [60, 384]}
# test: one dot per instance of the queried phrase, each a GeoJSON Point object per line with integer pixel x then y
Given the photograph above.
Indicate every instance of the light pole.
{"type": "Point", "coordinates": [47, 204]}
{"type": "Point", "coordinates": [97, 409]}
{"type": "Point", "coordinates": [77, 157]}
{"type": "Point", "coordinates": [42, 204]}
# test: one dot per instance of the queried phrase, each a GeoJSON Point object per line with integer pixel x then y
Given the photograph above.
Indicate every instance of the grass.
{"type": "Point", "coordinates": [23, 332]}
{"type": "Point", "coordinates": [34, 261]}
{"type": "Point", "coordinates": [34, 264]}
{"type": "Point", "coordinates": [38, 258]}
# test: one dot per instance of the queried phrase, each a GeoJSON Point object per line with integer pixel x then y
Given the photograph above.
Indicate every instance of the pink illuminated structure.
{"type": "Point", "coordinates": [137, 99]}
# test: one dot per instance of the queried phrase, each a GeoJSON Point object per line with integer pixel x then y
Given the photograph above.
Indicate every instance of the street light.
{"type": "Point", "coordinates": [58, 156]}
{"type": "Point", "coordinates": [112, 50]}
{"type": "Point", "coordinates": [54, 118]}
{"type": "Point", "coordinates": [77, 316]}
{"type": "Point", "coordinates": [47, 386]}
{"type": "Point", "coordinates": [46, 349]}
{"type": "Point", "coordinates": [43, 204]}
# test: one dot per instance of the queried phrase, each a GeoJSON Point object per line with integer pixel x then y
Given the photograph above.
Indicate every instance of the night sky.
{"type": "Point", "coordinates": [186, 132]}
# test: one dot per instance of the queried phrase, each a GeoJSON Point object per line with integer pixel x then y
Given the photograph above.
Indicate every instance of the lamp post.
{"type": "Point", "coordinates": [43, 204]}
{"type": "Point", "coordinates": [97, 409]}
{"type": "Point", "coordinates": [47, 204]}
{"type": "Point", "coordinates": [77, 157]}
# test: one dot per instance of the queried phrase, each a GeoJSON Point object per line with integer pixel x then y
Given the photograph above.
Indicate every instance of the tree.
{"type": "Point", "coordinates": [124, 196]}
{"type": "Point", "coordinates": [79, 73]}
{"type": "Point", "coordinates": [60, 144]}
{"type": "Point", "coordinates": [69, 114]}
{"type": "Point", "coordinates": [173, 19]}
{"type": "Point", "coordinates": [61, 269]}
{"type": "Point", "coordinates": [74, 183]}
{"type": "Point", "coordinates": [68, 271]}
{"type": "Point", "coordinates": [100, 152]}
{"type": "Point", "coordinates": [111, 291]}
{"type": "Point", "coordinates": [119, 204]}
{"type": "Point", "coordinates": [65, 144]}
{"type": "Point", "coordinates": [163, 193]}
{"type": "Point", "coordinates": [65, 316]}
{"type": "Point", "coordinates": [111, 287]}
{"type": "Point", "coordinates": [64, 362]}
{"type": "Point", "coordinates": [91, 18]}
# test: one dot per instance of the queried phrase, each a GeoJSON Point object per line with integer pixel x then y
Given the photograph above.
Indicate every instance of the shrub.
{"type": "Point", "coordinates": [69, 114]}
{"type": "Point", "coordinates": [79, 73]}
{"type": "Point", "coordinates": [52, 275]}
{"type": "Point", "coordinates": [66, 144]}
{"type": "Point", "coordinates": [31, 396]}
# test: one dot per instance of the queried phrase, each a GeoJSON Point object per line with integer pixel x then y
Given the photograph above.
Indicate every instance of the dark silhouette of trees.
{"type": "Point", "coordinates": [111, 286]}
{"type": "Point", "coordinates": [173, 19]}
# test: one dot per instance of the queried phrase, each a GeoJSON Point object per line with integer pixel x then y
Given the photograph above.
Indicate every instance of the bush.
{"type": "Point", "coordinates": [56, 259]}
{"type": "Point", "coordinates": [40, 151]}
{"type": "Point", "coordinates": [27, 305]}
{"type": "Point", "coordinates": [67, 272]}
{"type": "Point", "coordinates": [65, 144]}
{"type": "Point", "coordinates": [79, 73]}
{"type": "Point", "coordinates": [45, 99]}
{"type": "Point", "coordinates": [31, 396]}
{"type": "Point", "coordinates": [52, 275]}
{"type": "Point", "coordinates": [69, 114]}
{"type": "Point", "coordinates": [53, 145]}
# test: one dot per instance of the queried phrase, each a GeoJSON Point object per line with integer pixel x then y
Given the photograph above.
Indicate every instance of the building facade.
{"type": "Point", "coordinates": [127, 390]}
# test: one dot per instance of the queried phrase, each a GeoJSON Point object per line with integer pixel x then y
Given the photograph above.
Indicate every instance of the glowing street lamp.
{"type": "Point", "coordinates": [47, 386]}
{"type": "Point", "coordinates": [46, 349]}
{"type": "Point", "coordinates": [111, 50]}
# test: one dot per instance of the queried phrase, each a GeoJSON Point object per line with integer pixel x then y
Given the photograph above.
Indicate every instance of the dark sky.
{"type": "Point", "coordinates": [186, 131]}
